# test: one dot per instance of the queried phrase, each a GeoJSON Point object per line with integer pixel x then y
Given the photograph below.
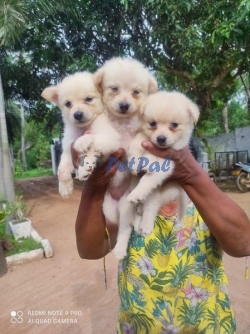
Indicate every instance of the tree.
{"type": "Point", "coordinates": [189, 45]}
{"type": "Point", "coordinates": [245, 79]}
{"type": "Point", "coordinates": [15, 16]}
{"type": "Point", "coordinates": [12, 19]}
{"type": "Point", "coordinates": [6, 177]}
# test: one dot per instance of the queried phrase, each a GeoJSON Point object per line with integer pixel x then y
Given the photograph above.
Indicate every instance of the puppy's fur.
{"type": "Point", "coordinates": [80, 102]}
{"type": "Point", "coordinates": [167, 121]}
{"type": "Point", "coordinates": [124, 85]}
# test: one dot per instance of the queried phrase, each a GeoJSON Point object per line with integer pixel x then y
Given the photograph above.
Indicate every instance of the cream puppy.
{"type": "Point", "coordinates": [124, 84]}
{"type": "Point", "coordinates": [82, 110]}
{"type": "Point", "coordinates": [167, 120]}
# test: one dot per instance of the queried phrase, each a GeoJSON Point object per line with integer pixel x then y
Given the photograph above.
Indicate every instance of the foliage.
{"type": "Point", "coordinates": [189, 45]}
{"type": "Point", "coordinates": [208, 148]}
{"type": "Point", "coordinates": [22, 245]}
{"type": "Point", "coordinates": [3, 213]}
{"type": "Point", "coordinates": [38, 139]}
{"type": "Point", "coordinates": [13, 121]}
{"type": "Point", "coordinates": [16, 209]}
{"type": "Point", "coordinates": [33, 173]}
{"type": "Point", "coordinates": [38, 153]}
{"type": "Point", "coordinates": [12, 20]}
{"type": "Point", "coordinates": [237, 116]}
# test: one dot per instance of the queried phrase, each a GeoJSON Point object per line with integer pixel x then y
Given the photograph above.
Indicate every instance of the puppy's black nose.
{"type": "Point", "coordinates": [124, 106]}
{"type": "Point", "coordinates": [161, 140]}
{"type": "Point", "coordinates": [78, 115]}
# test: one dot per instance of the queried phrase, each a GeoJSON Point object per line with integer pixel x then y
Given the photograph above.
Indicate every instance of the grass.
{"type": "Point", "coordinates": [20, 246]}
{"type": "Point", "coordinates": [33, 173]}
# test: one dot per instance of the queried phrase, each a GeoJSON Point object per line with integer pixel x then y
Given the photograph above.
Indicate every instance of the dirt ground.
{"type": "Point", "coordinates": [65, 294]}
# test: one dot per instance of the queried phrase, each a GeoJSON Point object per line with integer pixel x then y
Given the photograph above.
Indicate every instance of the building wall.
{"type": "Point", "coordinates": [239, 140]}
{"type": "Point", "coordinates": [242, 136]}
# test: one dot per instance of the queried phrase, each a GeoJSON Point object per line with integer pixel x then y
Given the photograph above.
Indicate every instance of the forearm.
{"type": "Point", "coordinates": [91, 234]}
{"type": "Point", "coordinates": [225, 219]}
{"type": "Point", "coordinates": [91, 237]}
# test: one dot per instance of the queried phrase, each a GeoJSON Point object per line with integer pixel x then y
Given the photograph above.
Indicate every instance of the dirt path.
{"type": "Point", "coordinates": [66, 295]}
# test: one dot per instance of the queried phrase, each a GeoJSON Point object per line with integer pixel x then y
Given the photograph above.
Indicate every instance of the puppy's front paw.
{"type": "Point", "coordinates": [66, 188]}
{"type": "Point", "coordinates": [120, 252]}
{"type": "Point", "coordinates": [146, 229]}
{"type": "Point", "coordinates": [83, 143]}
{"type": "Point", "coordinates": [136, 197]}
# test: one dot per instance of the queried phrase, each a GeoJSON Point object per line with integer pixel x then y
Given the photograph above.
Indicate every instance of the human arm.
{"type": "Point", "coordinates": [90, 228]}
{"type": "Point", "coordinates": [226, 220]}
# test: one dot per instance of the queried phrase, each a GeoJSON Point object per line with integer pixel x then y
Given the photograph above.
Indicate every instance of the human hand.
{"type": "Point", "coordinates": [186, 166]}
{"type": "Point", "coordinates": [101, 175]}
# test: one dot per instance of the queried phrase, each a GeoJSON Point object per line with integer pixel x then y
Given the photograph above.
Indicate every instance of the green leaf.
{"type": "Point", "coordinates": [145, 279]}
{"type": "Point", "coordinates": [156, 287]}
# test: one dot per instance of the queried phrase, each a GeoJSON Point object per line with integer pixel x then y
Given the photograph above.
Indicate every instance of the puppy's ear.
{"type": "Point", "coordinates": [152, 85]}
{"type": "Point", "coordinates": [98, 76]}
{"type": "Point", "coordinates": [194, 111]}
{"type": "Point", "coordinates": [51, 94]}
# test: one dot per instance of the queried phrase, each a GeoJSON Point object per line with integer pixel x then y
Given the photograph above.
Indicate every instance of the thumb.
{"type": "Point", "coordinates": [155, 150]}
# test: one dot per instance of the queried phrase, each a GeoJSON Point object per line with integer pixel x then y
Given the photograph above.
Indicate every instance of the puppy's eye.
{"type": "Point", "coordinates": [136, 92]}
{"type": "Point", "coordinates": [68, 104]}
{"type": "Point", "coordinates": [114, 89]}
{"type": "Point", "coordinates": [174, 125]}
{"type": "Point", "coordinates": [89, 99]}
{"type": "Point", "coordinates": [153, 124]}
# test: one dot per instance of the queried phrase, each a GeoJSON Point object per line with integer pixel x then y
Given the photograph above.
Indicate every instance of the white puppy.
{"type": "Point", "coordinates": [167, 121]}
{"type": "Point", "coordinates": [124, 85]}
{"type": "Point", "coordinates": [80, 102]}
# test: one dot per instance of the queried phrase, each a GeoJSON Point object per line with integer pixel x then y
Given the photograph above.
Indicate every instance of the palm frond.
{"type": "Point", "coordinates": [13, 15]}
{"type": "Point", "coordinates": [152, 248]}
{"type": "Point", "coordinates": [141, 322]}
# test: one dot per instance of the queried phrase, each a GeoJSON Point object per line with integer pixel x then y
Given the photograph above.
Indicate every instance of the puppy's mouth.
{"type": "Point", "coordinates": [123, 112]}
{"type": "Point", "coordinates": [82, 121]}
{"type": "Point", "coordinates": [162, 145]}
{"type": "Point", "coordinates": [79, 118]}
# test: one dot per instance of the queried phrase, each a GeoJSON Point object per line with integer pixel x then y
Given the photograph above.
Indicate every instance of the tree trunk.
{"type": "Point", "coordinates": [248, 106]}
{"type": "Point", "coordinates": [247, 90]}
{"type": "Point", "coordinates": [23, 139]}
{"type": "Point", "coordinates": [3, 263]}
{"type": "Point", "coordinates": [7, 189]}
{"type": "Point", "coordinates": [225, 118]}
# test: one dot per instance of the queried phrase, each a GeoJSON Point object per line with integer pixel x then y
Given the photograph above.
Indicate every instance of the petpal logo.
{"type": "Point", "coordinates": [90, 162]}
{"type": "Point", "coordinates": [16, 317]}
{"type": "Point", "coordinates": [142, 164]}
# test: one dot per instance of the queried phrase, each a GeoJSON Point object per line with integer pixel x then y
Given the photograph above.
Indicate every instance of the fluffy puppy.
{"type": "Point", "coordinates": [167, 121]}
{"type": "Point", "coordinates": [124, 84]}
{"type": "Point", "coordinates": [82, 110]}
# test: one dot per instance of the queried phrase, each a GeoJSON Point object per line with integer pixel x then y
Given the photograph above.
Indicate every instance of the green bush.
{"type": "Point", "coordinates": [33, 173]}
{"type": "Point", "coordinates": [17, 246]}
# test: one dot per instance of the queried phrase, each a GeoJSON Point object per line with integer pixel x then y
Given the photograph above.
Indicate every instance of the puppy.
{"type": "Point", "coordinates": [124, 84]}
{"type": "Point", "coordinates": [167, 121]}
{"type": "Point", "coordinates": [82, 110]}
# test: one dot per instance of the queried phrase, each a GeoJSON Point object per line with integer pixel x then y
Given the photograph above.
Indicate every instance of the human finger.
{"type": "Point", "coordinates": [159, 152]}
